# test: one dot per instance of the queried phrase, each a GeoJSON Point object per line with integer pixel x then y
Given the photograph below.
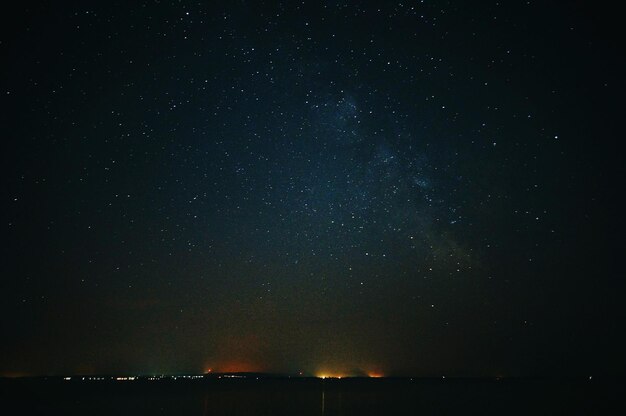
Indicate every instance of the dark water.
{"type": "Point", "coordinates": [313, 397]}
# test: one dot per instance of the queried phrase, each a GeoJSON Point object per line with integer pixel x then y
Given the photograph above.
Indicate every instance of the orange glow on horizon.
{"type": "Point", "coordinates": [329, 375]}
{"type": "Point", "coordinates": [371, 371]}
{"type": "Point", "coordinates": [234, 367]}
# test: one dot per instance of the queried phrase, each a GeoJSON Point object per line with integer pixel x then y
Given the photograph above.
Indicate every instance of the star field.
{"type": "Point", "coordinates": [413, 188]}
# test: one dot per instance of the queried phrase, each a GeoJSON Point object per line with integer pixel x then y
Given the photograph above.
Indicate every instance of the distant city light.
{"type": "Point", "coordinates": [325, 376]}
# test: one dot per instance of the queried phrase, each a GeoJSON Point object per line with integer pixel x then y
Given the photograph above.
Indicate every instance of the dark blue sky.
{"type": "Point", "coordinates": [418, 188]}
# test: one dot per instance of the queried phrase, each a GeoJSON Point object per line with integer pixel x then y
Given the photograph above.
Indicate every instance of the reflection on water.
{"type": "Point", "coordinates": [309, 397]}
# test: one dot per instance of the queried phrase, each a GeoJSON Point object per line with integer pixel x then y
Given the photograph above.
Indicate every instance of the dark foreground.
{"type": "Point", "coordinates": [312, 397]}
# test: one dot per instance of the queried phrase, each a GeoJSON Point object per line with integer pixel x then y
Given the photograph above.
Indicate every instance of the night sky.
{"type": "Point", "coordinates": [335, 187]}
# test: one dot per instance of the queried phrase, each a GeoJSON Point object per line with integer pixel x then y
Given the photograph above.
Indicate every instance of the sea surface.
{"type": "Point", "coordinates": [315, 397]}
